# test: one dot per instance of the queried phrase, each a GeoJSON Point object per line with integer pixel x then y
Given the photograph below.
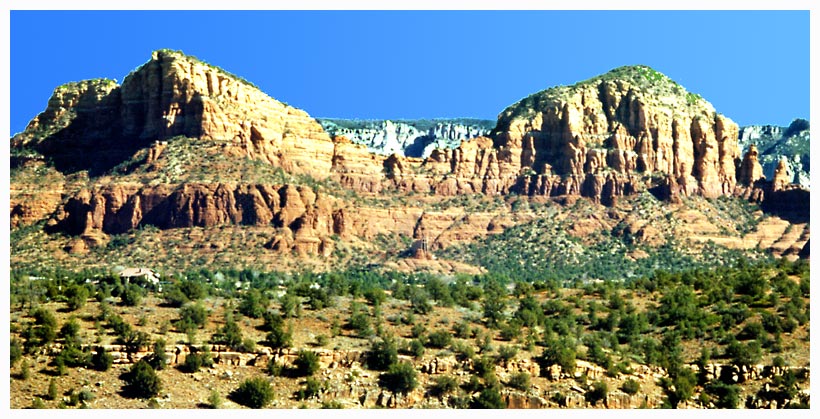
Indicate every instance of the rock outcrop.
{"type": "Point", "coordinates": [776, 144]}
{"type": "Point", "coordinates": [301, 220]}
{"type": "Point", "coordinates": [598, 134]}
{"type": "Point", "coordinates": [750, 169]}
{"type": "Point", "coordinates": [618, 134]}
{"type": "Point", "coordinates": [97, 124]}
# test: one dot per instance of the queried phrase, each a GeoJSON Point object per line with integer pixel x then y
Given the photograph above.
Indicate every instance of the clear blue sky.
{"type": "Point", "coordinates": [752, 65]}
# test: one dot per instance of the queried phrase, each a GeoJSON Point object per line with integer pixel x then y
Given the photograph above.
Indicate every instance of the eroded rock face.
{"type": "Point", "coordinates": [174, 95]}
{"type": "Point", "coordinates": [781, 143]}
{"type": "Point", "coordinates": [618, 125]}
{"type": "Point", "coordinates": [750, 168]}
{"type": "Point", "coordinates": [116, 209]}
{"type": "Point", "coordinates": [301, 220]}
{"type": "Point", "coordinates": [611, 136]}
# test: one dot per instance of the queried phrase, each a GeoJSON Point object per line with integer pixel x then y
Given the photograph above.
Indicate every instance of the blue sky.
{"type": "Point", "coordinates": [752, 65]}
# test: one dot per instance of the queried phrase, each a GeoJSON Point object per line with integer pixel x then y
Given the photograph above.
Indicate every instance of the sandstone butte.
{"type": "Point", "coordinates": [629, 130]}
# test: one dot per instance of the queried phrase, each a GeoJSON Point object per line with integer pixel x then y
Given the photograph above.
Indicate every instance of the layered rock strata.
{"type": "Point", "coordinates": [626, 131]}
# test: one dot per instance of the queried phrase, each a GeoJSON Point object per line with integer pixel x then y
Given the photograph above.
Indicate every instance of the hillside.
{"type": "Point", "coordinates": [194, 155]}
{"type": "Point", "coordinates": [606, 244]}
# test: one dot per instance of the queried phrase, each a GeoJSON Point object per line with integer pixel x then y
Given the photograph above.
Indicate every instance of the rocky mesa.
{"type": "Point", "coordinates": [623, 133]}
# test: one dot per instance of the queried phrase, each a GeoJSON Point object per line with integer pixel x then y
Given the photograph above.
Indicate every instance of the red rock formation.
{"type": "Point", "coordinates": [618, 126]}
{"type": "Point", "coordinates": [97, 124]}
{"type": "Point", "coordinates": [608, 137]}
{"type": "Point", "coordinates": [750, 168]}
{"type": "Point", "coordinates": [781, 177]}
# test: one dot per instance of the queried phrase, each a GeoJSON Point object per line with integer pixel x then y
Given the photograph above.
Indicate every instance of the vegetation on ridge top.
{"type": "Point", "coordinates": [641, 79]}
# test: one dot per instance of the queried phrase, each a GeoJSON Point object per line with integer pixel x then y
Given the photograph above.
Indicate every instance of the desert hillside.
{"type": "Point", "coordinates": [185, 240]}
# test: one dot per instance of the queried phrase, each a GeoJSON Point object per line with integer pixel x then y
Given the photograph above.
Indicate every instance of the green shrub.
{"type": "Point", "coordinates": [76, 297]}
{"type": "Point", "coordinates": [253, 304]}
{"type": "Point", "coordinates": [191, 317]}
{"type": "Point", "coordinates": [382, 354]}
{"type": "Point", "coordinates": [597, 393]}
{"type": "Point", "coordinates": [506, 353]}
{"type": "Point", "coordinates": [196, 360]}
{"type": "Point", "coordinates": [306, 363]}
{"type": "Point", "coordinates": [193, 289]}
{"type": "Point", "coordinates": [483, 367]}
{"type": "Point", "coordinates": [510, 330]}
{"type": "Point", "coordinates": [743, 354]}
{"type": "Point", "coordinates": [727, 396]}
{"type": "Point", "coordinates": [415, 348]}
{"type": "Point", "coordinates": [419, 302]}
{"type": "Point", "coordinates": [375, 296]}
{"type": "Point", "coordinates": [45, 330]}
{"type": "Point", "coordinates": [290, 306]}
{"type": "Point", "coordinates": [52, 390]}
{"type": "Point", "coordinates": [72, 356]}
{"type": "Point", "coordinates": [463, 330]}
{"type": "Point", "coordinates": [101, 360]}
{"type": "Point", "coordinates": [157, 358]}
{"type": "Point", "coordinates": [520, 381]}
{"type": "Point", "coordinates": [312, 388]}
{"type": "Point", "coordinates": [174, 297]}
{"type": "Point", "coordinates": [25, 373]}
{"type": "Point", "coordinates": [400, 378]}
{"type": "Point", "coordinates": [418, 330]}
{"type": "Point", "coordinates": [489, 398]}
{"type": "Point", "coordinates": [132, 295]}
{"type": "Point", "coordinates": [359, 321]}
{"type": "Point", "coordinates": [332, 404]}
{"type": "Point", "coordinates": [255, 393]}
{"type": "Point", "coordinates": [229, 334]}
{"type": "Point", "coordinates": [559, 352]}
{"type": "Point", "coordinates": [274, 368]}
{"type": "Point", "coordinates": [142, 381]}
{"type": "Point", "coordinates": [15, 351]}
{"type": "Point", "coordinates": [631, 387]}
{"type": "Point", "coordinates": [439, 339]}
{"type": "Point", "coordinates": [752, 330]}
{"type": "Point", "coordinates": [443, 385]}
{"type": "Point", "coordinates": [279, 337]}
{"type": "Point", "coordinates": [678, 387]}
{"type": "Point", "coordinates": [215, 400]}
{"type": "Point", "coordinates": [84, 396]}
{"type": "Point", "coordinates": [70, 332]}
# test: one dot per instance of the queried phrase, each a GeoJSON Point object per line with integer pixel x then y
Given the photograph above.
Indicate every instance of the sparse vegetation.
{"type": "Point", "coordinates": [494, 321]}
{"type": "Point", "coordinates": [400, 377]}
{"type": "Point", "coordinates": [255, 393]}
{"type": "Point", "coordinates": [142, 381]}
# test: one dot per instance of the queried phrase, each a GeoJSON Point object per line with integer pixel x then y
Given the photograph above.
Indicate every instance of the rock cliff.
{"type": "Point", "coordinates": [790, 144]}
{"type": "Point", "coordinates": [600, 134]}
{"type": "Point", "coordinates": [97, 124]}
{"type": "Point", "coordinates": [184, 144]}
